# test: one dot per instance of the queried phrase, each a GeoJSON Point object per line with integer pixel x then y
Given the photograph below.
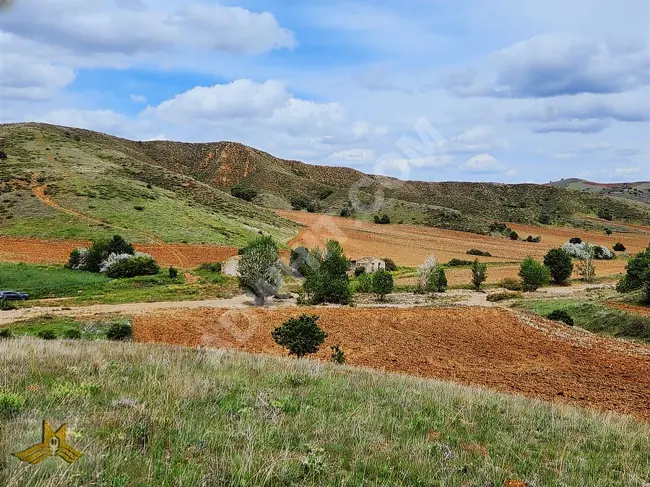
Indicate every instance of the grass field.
{"type": "Point", "coordinates": [89, 329]}
{"type": "Point", "coordinates": [152, 415]}
{"type": "Point", "coordinates": [596, 317]}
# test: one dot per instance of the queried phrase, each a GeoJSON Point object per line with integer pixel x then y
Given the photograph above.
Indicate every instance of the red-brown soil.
{"type": "Point", "coordinates": [476, 346]}
{"type": "Point", "coordinates": [629, 308]}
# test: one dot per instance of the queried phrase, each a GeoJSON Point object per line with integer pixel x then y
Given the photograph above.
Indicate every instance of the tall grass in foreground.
{"type": "Point", "coordinates": [152, 415]}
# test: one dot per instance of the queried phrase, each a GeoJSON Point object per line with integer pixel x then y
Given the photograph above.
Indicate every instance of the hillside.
{"type": "Point", "coordinates": [154, 415]}
{"type": "Point", "coordinates": [71, 183]}
{"type": "Point", "coordinates": [639, 191]}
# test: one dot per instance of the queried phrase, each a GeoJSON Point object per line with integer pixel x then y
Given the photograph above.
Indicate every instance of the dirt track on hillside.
{"type": "Point", "coordinates": [37, 251]}
{"type": "Point", "coordinates": [478, 346]}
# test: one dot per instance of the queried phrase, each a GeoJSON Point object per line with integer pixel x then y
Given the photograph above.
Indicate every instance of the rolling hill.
{"type": "Point", "coordinates": [60, 182]}
{"type": "Point", "coordinates": [639, 191]}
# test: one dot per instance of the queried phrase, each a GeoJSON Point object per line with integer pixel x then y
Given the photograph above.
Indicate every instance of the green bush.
{"type": "Point", "coordinates": [338, 356]}
{"type": "Point", "coordinates": [560, 265]}
{"type": "Point", "coordinates": [46, 335]}
{"type": "Point", "coordinates": [532, 239]}
{"type": "Point", "coordinates": [244, 192]}
{"type": "Point", "coordinates": [561, 316]}
{"type": "Point", "coordinates": [576, 240]}
{"type": "Point", "coordinates": [359, 271]}
{"type": "Point", "coordinates": [301, 336]}
{"type": "Point", "coordinates": [390, 264]}
{"type": "Point", "coordinates": [364, 283]}
{"type": "Point", "coordinates": [638, 274]}
{"type": "Point", "coordinates": [299, 202]}
{"type": "Point", "coordinates": [10, 405]}
{"type": "Point", "coordinates": [141, 265]}
{"type": "Point", "coordinates": [514, 235]}
{"type": "Point", "coordinates": [459, 263]}
{"type": "Point", "coordinates": [480, 253]}
{"type": "Point", "coordinates": [503, 296]}
{"type": "Point", "coordinates": [384, 220]}
{"type": "Point", "coordinates": [512, 284]}
{"type": "Point", "coordinates": [6, 305]}
{"type": "Point", "coordinates": [382, 283]}
{"type": "Point", "coordinates": [259, 269]}
{"type": "Point", "coordinates": [346, 212]}
{"type": "Point", "coordinates": [5, 333]}
{"type": "Point", "coordinates": [534, 274]}
{"type": "Point", "coordinates": [605, 214]}
{"type": "Point", "coordinates": [479, 274]}
{"type": "Point", "coordinates": [119, 331]}
{"type": "Point", "coordinates": [619, 247]}
{"type": "Point", "coordinates": [173, 273]}
{"type": "Point", "coordinates": [437, 280]}
{"type": "Point", "coordinates": [212, 267]}
{"type": "Point", "coordinates": [327, 281]}
{"type": "Point", "coordinates": [72, 334]}
{"type": "Point", "coordinates": [608, 231]}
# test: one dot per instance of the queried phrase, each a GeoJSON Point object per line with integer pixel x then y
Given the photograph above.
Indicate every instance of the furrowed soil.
{"type": "Point", "coordinates": [479, 346]}
{"type": "Point", "coordinates": [36, 251]}
{"type": "Point", "coordinates": [410, 245]}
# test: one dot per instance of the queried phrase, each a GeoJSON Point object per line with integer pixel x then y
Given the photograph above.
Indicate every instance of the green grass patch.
{"type": "Point", "coordinates": [64, 327]}
{"type": "Point", "coordinates": [154, 415]}
{"type": "Point", "coordinates": [48, 281]}
{"type": "Point", "coordinates": [595, 317]}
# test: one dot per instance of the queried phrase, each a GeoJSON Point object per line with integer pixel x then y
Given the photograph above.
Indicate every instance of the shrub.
{"type": "Point", "coordinates": [503, 296]}
{"type": "Point", "coordinates": [544, 218]}
{"type": "Point", "coordinates": [533, 274]}
{"type": "Point", "coordinates": [479, 274]}
{"type": "Point", "coordinates": [608, 231]}
{"type": "Point", "coordinates": [325, 193]}
{"type": "Point", "coordinates": [299, 202]}
{"type": "Point", "coordinates": [384, 220]}
{"type": "Point", "coordinates": [259, 269]}
{"type": "Point", "coordinates": [11, 404]}
{"type": "Point", "coordinates": [359, 271]}
{"type": "Point", "coordinates": [382, 283]}
{"type": "Point", "coordinates": [561, 316]}
{"type": "Point", "coordinates": [390, 264]}
{"type": "Point", "coordinates": [338, 356]}
{"type": "Point", "coordinates": [532, 239]}
{"type": "Point", "coordinates": [346, 212]}
{"type": "Point", "coordinates": [91, 259]}
{"type": "Point", "coordinates": [211, 266]}
{"type": "Point", "coordinates": [301, 336]}
{"type": "Point", "coordinates": [138, 208]}
{"type": "Point", "coordinates": [46, 335]}
{"type": "Point", "coordinates": [173, 273]}
{"type": "Point", "coordinates": [117, 245]}
{"type": "Point", "coordinates": [5, 333]}
{"type": "Point", "coordinates": [576, 240]}
{"type": "Point", "coordinates": [480, 253]}
{"type": "Point", "coordinates": [638, 274]}
{"type": "Point", "coordinates": [6, 305]}
{"type": "Point", "coordinates": [364, 283]}
{"type": "Point", "coordinates": [584, 250]}
{"type": "Point", "coordinates": [138, 265]}
{"type": "Point", "coordinates": [619, 247]}
{"type": "Point", "coordinates": [327, 281]}
{"type": "Point", "coordinates": [72, 334]}
{"type": "Point", "coordinates": [605, 214]}
{"type": "Point", "coordinates": [441, 283]}
{"type": "Point", "coordinates": [512, 284]}
{"type": "Point", "coordinates": [514, 235]}
{"type": "Point", "coordinates": [459, 263]}
{"type": "Point", "coordinates": [559, 264]}
{"type": "Point", "coordinates": [244, 192]}
{"type": "Point", "coordinates": [119, 331]}
{"type": "Point", "coordinates": [603, 253]}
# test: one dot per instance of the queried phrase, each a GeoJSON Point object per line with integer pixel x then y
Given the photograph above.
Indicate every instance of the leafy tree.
{"type": "Point", "coordinates": [533, 274]}
{"type": "Point", "coordinates": [441, 282]}
{"type": "Point", "coordinates": [327, 280]}
{"type": "Point", "coordinates": [299, 202]}
{"type": "Point", "coordinates": [605, 214]}
{"type": "Point", "coordinates": [545, 218]}
{"type": "Point", "coordinates": [560, 265]}
{"type": "Point", "coordinates": [479, 274]}
{"type": "Point", "coordinates": [301, 336]}
{"type": "Point", "coordinates": [359, 271]}
{"type": "Point", "coordinates": [140, 265]}
{"type": "Point", "coordinates": [514, 235]}
{"type": "Point", "coordinates": [259, 269]}
{"type": "Point", "coordinates": [638, 274]}
{"type": "Point", "coordinates": [117, 245]}
{"type": "Point", "coordinates": [608, 231]}
{"type": "Point", "coordinates": [243, 191]}
{"type": "Point", "coordinates": [382, 283]}
{"type": "Point", "coordinates": [364, 283]}
{"type": "Point", "coordinates": [586, 267]}
{"type": "Point", "coordinates": [390, 264]}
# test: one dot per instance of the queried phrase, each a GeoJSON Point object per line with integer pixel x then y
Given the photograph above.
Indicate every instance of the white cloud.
{"type": "Point", "coordinates": [485, 164]}
{"type": "Point", "coordinates": [23, 78]}
{"type": "Point", "coordinates": [138, 98]}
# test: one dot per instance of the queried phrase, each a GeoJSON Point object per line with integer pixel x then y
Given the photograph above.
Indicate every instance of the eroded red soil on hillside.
{"type": "Point", "coordinates": [477, 346]}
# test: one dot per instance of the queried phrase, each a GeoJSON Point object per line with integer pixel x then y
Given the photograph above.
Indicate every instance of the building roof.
{"type": "Point", "coordinates": [368, 259]}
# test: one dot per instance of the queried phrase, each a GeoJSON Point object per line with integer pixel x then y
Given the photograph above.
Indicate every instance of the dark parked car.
{"type": "Point", "coordinates": [13, 296]}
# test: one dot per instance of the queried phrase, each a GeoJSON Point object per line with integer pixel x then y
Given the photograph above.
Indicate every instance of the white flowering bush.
{"type": "Point", "coordinates": [113, 260]}
{"type": "Point", "coordinates": [585, 251]}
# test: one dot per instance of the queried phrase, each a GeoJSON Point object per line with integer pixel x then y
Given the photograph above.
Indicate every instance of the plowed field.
{"type": "Point", "coordinates": [37, 251]}
{"type": "Point", "coordinates": [410, 245]}
{"type": "Point", "coordinates": [478, 346]}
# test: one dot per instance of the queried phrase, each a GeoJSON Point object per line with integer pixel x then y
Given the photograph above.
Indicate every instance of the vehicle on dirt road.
{"type": "Point", "coordinates": [14, 296]}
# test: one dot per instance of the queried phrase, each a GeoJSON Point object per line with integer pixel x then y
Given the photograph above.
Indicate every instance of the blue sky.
{"type": "Point", "coordinates": [419, 89]}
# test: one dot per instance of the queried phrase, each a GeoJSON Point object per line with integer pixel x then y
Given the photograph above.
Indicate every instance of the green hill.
{"type": "Point", "coordinates": [639, 191]}
{"type": "Point", "coordinates": [62, 182]}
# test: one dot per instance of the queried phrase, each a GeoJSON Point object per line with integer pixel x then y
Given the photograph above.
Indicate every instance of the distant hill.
{"type": "Point", "coordinates": [639, 191]}
{"type": "Point", "coordinates": [63, 182]}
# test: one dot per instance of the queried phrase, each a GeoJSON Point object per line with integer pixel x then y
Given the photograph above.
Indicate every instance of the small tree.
{"type": "Point", "coordinates": [638, 275]}
{"type": "Point", "coordinates": [533, 274]}
{"type": "Point", "coordinates": [586, 267]}
{"type": "Point", "coordinates": [382, 283]}
{"type": "Point", "coordinates": [327, 280]}
{"type": "Point", "coordinates": [390, 264]}
{"type": "Point", "coordinates": [338, 356]}
{"type": "Point", "coordinates": [514, 235]}
{"type": "Point", "coordinates": [619, 247]}
{"type": "Point", "coordinates": [428, 275]}
{"type": "Point", "coordinates": [301, 336]}
{"type": "Point", "coordinates": [173, 273]}
{"type": "Point", "coordinates": [441, 283]}
{"type": "Point", "coordinates": [479, 274]}
{"type": "Point", "coordinates": [259, 270]}
{"type": "Point", "coordinates": [560, 265]}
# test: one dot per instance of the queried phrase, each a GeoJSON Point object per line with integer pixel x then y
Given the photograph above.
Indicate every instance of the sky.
{"type": "Point", "coordinates": [435, 90]}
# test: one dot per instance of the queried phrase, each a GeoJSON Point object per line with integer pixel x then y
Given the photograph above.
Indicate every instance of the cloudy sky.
{"type": "Point", "coordinates": [492, 90]}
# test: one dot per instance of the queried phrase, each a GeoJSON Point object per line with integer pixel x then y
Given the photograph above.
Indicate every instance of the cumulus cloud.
{"type": "Point", "coordinates": [554, 65]}
{"type": "Point", "coordinates": [485, 164]}
{"type": "Point", "coordinates": [23, 79]}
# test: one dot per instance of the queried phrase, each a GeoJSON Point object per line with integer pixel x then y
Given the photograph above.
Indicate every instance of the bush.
{"type": "Point", "coordinates": [173, 273]}
{"type": "Point", "coordinates": [259, 269]}
{"type": "Point", "coordinates": [503, 296]}
{"type": "Point", "coordinates": [119, 331]}
{"type": "Point", "coordinates": [338, 356]}
{"type": "Point", "coordinates": [585, 250]}
{"type": "Point", "coordinates": [138, 208]}
{"type": "Point", "coordinates": [532, 239]}
{"type": "Point", "coordinates": [605, 214]}
{"type": "Point", "coordinates": [211, 267]}
{"type": "Point", "coordinates": [459, 263]}
{"type": "Point", "coordinates": [327, 281]}
{"type": "Point", "coordinates": [359, 271]}
{"type": "Point", "coordinates": [560, 265]}
{"type": "Point", "coordinates": [139, 265]}
{"type": "Point", "coordinates": [301, 336]}
{"type": "Point", "coordinates": [5, 333]}
{"type": "Point", "coordinates": [512, 284]}
{"type": "Point", "coordinates": [603, 253]}
{"type": "Point", "coordinates": [244, 192]}
{"type": "Point", "coordinates": [544, 218]}
{"type": "Point", "coordinates": [91, 259]}
{"type": "Point", "coordinates": [299, 202]}
{"type": "Point", "coordinates": [479, 253]}
{"type": "Point", "coordinates": [7, 305]}
{"type": "Point", "coordinates": [479, 274]}
{"type": "Point", "coordinates": [364, 283]}
{"type": "Point", "coordinates": [619, 247]}
{"type": "Point", "coordinates": [72, 334]}
{"type": "Point", "coordinates": [325, 193]}
{"type": "Point", "coordinates": [533, 274]}
{"type": "Point", "coordinates": [608, 231]}
{"type": "Point", "coordinates": [384, 220]}
{"type": "Point", "coordinates": [346, 212]}
{"type": "Point", "coordinates": [117, 245]}
{"type": "Point", "coordinates": [638, 274]}
{"type": "Point", "coordinates": [382, 283]}
{"type": "Point", "coordinates": [561, 316]}
{"type": "Point", "coordinates": [390, 264]}
{"type": "Point", "coordinates": [10, 405]}
{"type": "Point", "coordinates": [514, 235]}
{"type": "Point", "coordinates": [576, 240]}
{"type": "Point", "coordinates": [46, 335]}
